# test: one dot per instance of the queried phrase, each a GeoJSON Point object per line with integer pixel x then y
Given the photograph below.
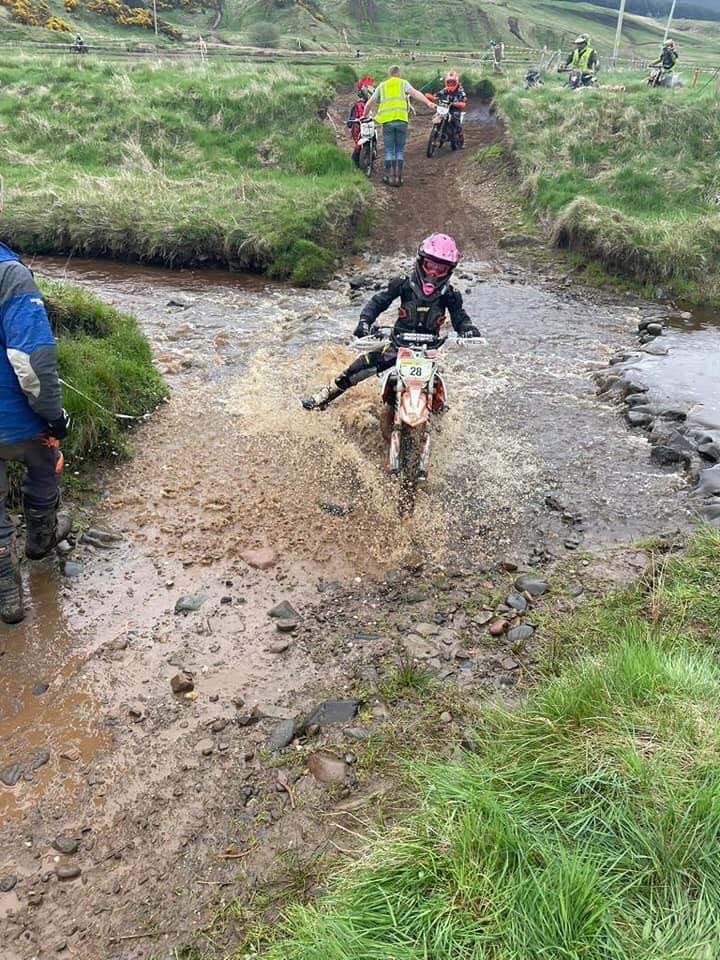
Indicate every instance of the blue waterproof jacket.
{"type": "Point", "coordinates": [30, 394]}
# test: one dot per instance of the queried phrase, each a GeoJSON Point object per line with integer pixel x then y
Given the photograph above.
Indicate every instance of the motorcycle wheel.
{"type": "Point", "coordinates": [432, 141]}
{"type": "Point", "coordinates": [410, 450]}
{"type": "Point", "coordinates": [366, 159]}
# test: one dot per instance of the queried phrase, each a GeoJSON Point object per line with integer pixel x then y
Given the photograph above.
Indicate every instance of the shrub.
{"type": "Point", "coordinates": [304, 262]}
{"type": "Point", "coordinates": [264, 35]}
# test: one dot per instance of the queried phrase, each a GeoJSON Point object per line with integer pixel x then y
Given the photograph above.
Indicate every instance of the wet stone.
{"type": "Point", "coordinates": [278, 646]}
{"type": "Point", "coordinates": [286, 626]}
{"type": "Point", "coordinates": [189, 603]}
{"type": "Point", "coordinates": [71, 568]}
{"type": "Point", "coordinates": [8, 883]}
{"type": "Point", "coordinates": [284, 611]}
{"type": "Point", "coordinates": [520, 634]}
{"type": "Point", "coordinates": [40, 688]}
{"type": "Point", "coordinates": [282, 735]}
{"type": "Point", "coordinates": [326, 768]}
{"type": "Point", "coordinates": [498, 627]}
{"type": "Point", "coordinates": [667, 456]}
{"type": "Point", "coordinates": [66, 872]}
{"type": "Point", "coordinates": [331, 712]}
{"type": "Point", "coordinates": [535, 586]}
{"type": "Point", "coordinates": [182, 682]}
{"type": "Point", "coordinates": [516, 602]}
{"type": "Point", "coordinates": [261, 559]}
{"type": "Point", "coordinates": [638, 418]}
{"type": "Point", "coordinates": [66, 844]}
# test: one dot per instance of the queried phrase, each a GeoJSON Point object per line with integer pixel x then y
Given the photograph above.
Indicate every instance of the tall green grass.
{"type": "Point", "coordinates": [585, 826]}
{"type": "Point", "coordinates": [176, 164]}
{"type": "Point", "coordinates": [630, 178]}
{"type": "Point", "coordinates": [103, 354]}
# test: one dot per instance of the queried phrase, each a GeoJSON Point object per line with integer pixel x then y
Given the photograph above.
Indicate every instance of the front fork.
{"type": "Point", "coordinates": [394, 454]}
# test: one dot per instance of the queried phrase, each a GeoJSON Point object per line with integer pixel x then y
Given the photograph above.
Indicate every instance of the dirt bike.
{"type": "Point", "coordinates": [413, 393]}
{"type": "Point", "coordinates": [444, 128]}
{"type": "Point", "coordinates": [533, 78]}
{"type": "Point", "coordinates": [368, 146]}
{"type": "Point", "coordinates": [660, 77]}
{"type": "Point", "coordinates": [79, 48]}
{"type": "Point", "coordinates": [579, 79]}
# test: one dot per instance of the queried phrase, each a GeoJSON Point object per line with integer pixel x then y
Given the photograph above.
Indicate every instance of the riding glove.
{"type": "Point", "coordinates": [467, 333]}
{"type": "Point", "coordinates": [59, 427]}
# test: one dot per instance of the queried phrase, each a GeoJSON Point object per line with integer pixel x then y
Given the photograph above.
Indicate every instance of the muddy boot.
{"type": "Point", "coordinates": [44, 528]}
{"type": "Point", "coordinates": [325, 395]}
{"type": "Point", "coordinates": [399, 176]}
{"type": "Point", "coordinates": [388, 173]}
{"type": "Point", "coordinates": [11, 602]}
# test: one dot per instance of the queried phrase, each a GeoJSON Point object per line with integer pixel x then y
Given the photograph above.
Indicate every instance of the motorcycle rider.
{"type": "Point", "coordinates": [668, 57]}
{"type": "Point", "coordinates": [365, 89]}
{"type": "Point", "coordinates": [79, 44]}
{"type": "Point", "coordinates": [454, 93]}
{"type": "Point", "coordinates": [583, 58]}
{"type": "Point", "coordinates": [32, 421]}
{"type": "Point", "coordinates": [425, 296]}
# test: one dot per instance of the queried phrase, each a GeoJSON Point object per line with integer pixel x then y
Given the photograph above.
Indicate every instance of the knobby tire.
{"type": "Point", "coordinates": [366, 158]}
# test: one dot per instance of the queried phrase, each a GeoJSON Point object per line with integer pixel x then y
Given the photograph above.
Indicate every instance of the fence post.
{"type": "Point", "coordinates": [696, 75]}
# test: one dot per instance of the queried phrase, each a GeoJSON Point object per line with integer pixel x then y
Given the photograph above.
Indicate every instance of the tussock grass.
{"type": "Point", "coordinates": [628, 178]}
{"type": "Point", "coordinates": [104, 355]}
{"type": "Point", "coordinates": [584, 826]}
{"type": "Point", "coordinates": [183, 165]}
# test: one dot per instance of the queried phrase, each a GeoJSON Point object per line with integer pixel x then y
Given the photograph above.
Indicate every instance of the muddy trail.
{"type": "Point", "coordinates": [133, 813]}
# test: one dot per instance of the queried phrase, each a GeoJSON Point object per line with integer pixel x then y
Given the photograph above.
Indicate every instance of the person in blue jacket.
{"type": "Point", "coordinates": [32, 421]}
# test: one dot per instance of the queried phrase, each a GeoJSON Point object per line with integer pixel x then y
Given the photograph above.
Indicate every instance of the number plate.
{"type": "Point", "coordinates": [416, 369]}
{"type": "Point", "coordinates": [367, 128]}
{"type": "Point", "coordinates": [442, 110]}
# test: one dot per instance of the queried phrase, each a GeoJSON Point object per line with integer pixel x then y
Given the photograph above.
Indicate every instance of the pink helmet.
{"type": "Point", "coordinates": [436, 259]}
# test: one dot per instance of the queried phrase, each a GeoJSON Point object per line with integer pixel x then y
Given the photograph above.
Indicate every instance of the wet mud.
{"type": "Point", "coordinates": [239, 499]}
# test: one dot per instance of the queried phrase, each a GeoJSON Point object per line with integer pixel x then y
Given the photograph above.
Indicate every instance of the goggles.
{"type": "Point", "coordinates": [434, 268]}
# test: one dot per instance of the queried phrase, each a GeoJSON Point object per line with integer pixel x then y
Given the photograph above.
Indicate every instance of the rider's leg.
{"type": "Point", "coordinates": [401, 137]}
{"type": "Point", "coordinates": [366, 365]}
{"type": "Point", "coordinates": [388, 149]}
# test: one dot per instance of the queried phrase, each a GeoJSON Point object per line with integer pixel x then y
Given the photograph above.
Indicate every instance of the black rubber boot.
{"type": "Point", "coordinates": [399, 175]}
{"type": "Point", "coordinates": [11, 601]}
{"type": "Point", "coordinates": [45, 528]}
{"type": "Point", "coordinates": [324, 396]}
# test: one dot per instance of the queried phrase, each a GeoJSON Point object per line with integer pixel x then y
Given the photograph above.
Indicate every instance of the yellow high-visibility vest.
{"type": "Point", "coordinates": [392, 101]}
{"type": "Point", "coordinates": [581, 58]}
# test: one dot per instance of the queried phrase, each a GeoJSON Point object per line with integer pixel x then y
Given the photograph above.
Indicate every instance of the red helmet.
{"type": "Point", "coordinates": [436, 259]}
{"type": "Point", "coordinates": [366, 87]}
{"type": "Point", "coordinates": [452, 80]}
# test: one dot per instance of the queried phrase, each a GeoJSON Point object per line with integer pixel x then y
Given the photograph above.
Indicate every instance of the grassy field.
{"type": "Point", "coordinates": [628, 179]}
{"type": "Point", "coordinates": [583, 826]}
{"type": "Point", "coordinates": [103, 354]}
{"type": "Point", "coordinates": [177, 164]}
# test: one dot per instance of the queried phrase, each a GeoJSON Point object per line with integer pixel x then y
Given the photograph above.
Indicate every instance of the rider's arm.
{"type": "Point", "coordinates": [372, 102]}
{"type": "Point", "coordinates": [420, 97]}
{"type": "Point", "coordinates": [382, 300]}
{"type": "Point", "coordinates": [29, 342]}
{"type": "Point", "coordinates": [458, 315]}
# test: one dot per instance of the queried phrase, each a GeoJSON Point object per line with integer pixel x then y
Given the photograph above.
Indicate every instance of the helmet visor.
{"type": "Point", "coordinates": [434, 268]}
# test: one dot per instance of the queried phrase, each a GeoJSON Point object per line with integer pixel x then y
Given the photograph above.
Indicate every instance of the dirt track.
{"type": "Point", "coordinates": [175, 805]}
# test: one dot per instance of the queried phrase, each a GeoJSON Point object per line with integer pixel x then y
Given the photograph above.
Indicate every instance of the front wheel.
{"type": "Point", "coordinates": [366, 158]}
{"type": "Point", "coordinates": [410, 456]}
{"type": "Point", "coordinates": [432, 140]}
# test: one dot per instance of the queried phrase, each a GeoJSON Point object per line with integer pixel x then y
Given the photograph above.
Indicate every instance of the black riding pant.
{"type": "Point", "coordinates": [40, 483]}
{"type": "Point", "coordinates": [367, 365]}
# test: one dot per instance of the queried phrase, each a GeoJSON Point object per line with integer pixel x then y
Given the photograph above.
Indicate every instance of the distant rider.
{"type": "Point", "coordinates": [583, 57]}
{"type": "Point", "coordinates": [32, 421]}
{"type": "Point", "coordinates": [426, 295]}
{"type": "Point", "coordinates": [668, 57]}
{"type": "Point", "coordinates": [365, 88]}
{"type": "Point", "coordinates": [79, 44]}
{"type": "Point", "coordinates": [454, 93]}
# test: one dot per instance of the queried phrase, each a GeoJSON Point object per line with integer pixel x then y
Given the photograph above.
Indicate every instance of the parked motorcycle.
{"type": "Point", "coordinates": [368, 146]}
{"type": "Point", "coordinates": [533, 78]}
{"type": "Point", "coordinates": [444, 129]}
{"type": "Point", "coordinates": [579, 79]}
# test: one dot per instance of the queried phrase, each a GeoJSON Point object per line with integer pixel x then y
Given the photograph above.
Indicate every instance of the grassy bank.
{"type": "Point", "coordinates": [102, 353]}
{"type": "Point", "coordinates": [177, 164]}
{"type": "Point", "coordinates": [584, 825]}
{"type": "Point", "coordinates": [629, 179]}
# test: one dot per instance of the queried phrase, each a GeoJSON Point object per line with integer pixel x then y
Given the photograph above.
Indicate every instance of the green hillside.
{"type": "Point", "coordinates": [457, 25]}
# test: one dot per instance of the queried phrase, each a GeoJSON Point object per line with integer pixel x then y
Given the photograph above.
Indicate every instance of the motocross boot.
{"type": "Point", "coordinates": [45, 528]}
{"type": "Point", "coordinates": [324, 396]}
{"type": "Point", "coordinates": [11, 600]}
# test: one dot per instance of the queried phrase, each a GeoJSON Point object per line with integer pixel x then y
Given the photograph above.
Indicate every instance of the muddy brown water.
{"type": "Point", "coordinates": [526, 460]}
